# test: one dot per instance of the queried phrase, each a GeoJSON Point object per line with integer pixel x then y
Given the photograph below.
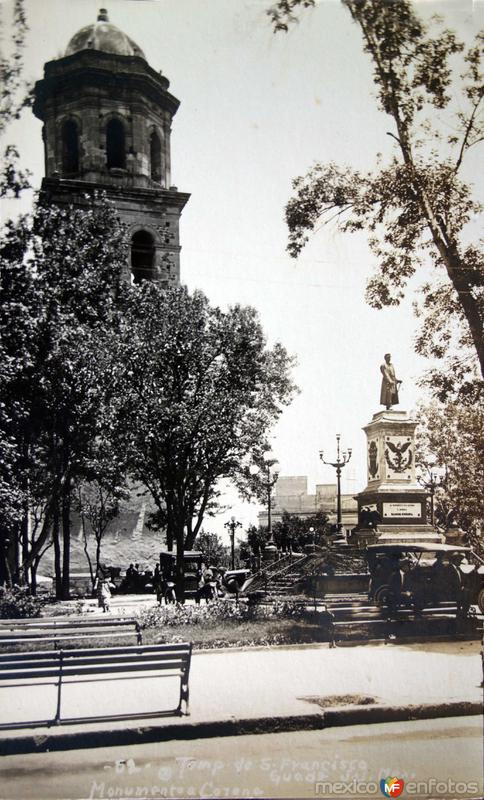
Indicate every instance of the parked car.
{"type": "Point", "coordinates": [235, 578]}
{"type": "Point", "coordinates": [192, 565]}
{"type": "Point", "coordinates": [423, 575]}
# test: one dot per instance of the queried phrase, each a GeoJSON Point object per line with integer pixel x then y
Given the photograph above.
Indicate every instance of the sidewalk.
{"type": "Point", "coordinates": [249, 690]}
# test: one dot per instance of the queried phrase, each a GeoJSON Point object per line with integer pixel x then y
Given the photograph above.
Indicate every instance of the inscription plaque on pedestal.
{"type": "Point", "coordinates": [402, 510]}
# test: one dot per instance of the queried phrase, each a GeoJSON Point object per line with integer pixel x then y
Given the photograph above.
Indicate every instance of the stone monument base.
{"type": "Point", "coordinates": [393, 499]}
{"type": "Point", "coordinates": [409, 534]}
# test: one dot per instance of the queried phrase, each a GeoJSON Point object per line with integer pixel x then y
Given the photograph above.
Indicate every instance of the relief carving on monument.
{"type": "Point", "coordinates": [373, 459]}
{"type": "Point", "coordinates": [398, 454]}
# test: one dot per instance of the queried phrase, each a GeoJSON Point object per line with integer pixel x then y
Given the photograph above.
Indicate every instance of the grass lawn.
{"type": "Point", "coordinates": [240, 633]}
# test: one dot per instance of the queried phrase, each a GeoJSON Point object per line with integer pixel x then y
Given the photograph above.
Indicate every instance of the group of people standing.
{"type": "Point", "coordinates": [136, 578]}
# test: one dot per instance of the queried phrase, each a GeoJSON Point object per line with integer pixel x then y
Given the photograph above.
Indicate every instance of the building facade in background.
{"type": "Point", "coordinates": [291, 495]}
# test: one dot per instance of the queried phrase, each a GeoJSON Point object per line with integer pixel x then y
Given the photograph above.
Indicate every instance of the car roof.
{"type": "Point", "coordinates": [411, 547]}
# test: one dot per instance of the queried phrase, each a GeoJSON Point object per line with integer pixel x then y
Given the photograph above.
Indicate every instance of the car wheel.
{"type": "Point", "coordinates": [382, 594]}
{"type": "Point", "coordinates": [480, 600]}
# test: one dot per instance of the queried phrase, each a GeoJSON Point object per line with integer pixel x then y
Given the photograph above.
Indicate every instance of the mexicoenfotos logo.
{"type": "Point", "coordinates": [391, 787]}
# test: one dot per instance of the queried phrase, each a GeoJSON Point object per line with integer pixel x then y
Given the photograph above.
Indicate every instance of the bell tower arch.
{"type": "Point", "coordinates": [107, 124]}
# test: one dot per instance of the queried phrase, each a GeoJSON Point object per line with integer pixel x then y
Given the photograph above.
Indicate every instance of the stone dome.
{"type": "Point", "coordinates": [103, 36]}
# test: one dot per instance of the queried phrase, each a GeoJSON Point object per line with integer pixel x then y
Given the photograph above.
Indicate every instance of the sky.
{"type": "Point", "coordinates": [257, 110]}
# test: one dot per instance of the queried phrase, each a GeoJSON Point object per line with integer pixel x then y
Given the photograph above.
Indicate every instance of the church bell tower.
{"type": "Point", "coordinates": [107, 123]}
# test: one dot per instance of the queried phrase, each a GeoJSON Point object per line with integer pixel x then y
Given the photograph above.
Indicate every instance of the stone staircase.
{"type": "Point", "coordinates": [283, 578]}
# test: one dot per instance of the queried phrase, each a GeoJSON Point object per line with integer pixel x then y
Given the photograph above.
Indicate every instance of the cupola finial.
{"type": "Point", "coordinates": [103, 15]}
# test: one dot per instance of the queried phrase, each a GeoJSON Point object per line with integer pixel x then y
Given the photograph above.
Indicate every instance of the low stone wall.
{"type": "Point", "coordinates": [341, 584]}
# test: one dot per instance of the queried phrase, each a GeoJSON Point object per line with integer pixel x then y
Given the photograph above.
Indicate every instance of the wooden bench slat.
{"type": "Point", "coordinates": [42, 637]}
{"type": "Point", "coordinates": [89, 651]}
{"type": "Point", "coordinates": [185, 646]}
{"type": "Point", "coordinates": [102, 669]}
{"type": "Point", "coordinates": [97, 658]}
{"type": "Point", "coordinates": [85, 657]}
{"type": "Point", "coordinates": [138, 666]}
{"type": "Point", "coordinates": [66, 632]}
{"type": "Point", "coordinates": [36, 622]}
{"type": "Point", "coordinates": [24, 631]}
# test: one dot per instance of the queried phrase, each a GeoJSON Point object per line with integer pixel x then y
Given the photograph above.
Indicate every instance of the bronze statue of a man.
{"type": "Point", "coordinates": [389, 384]}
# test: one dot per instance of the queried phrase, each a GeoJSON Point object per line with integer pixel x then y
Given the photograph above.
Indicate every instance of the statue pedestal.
{"type": "Point", "coordinates": [392, 488]}
{"type": "Point", "coordinates": [364, 537]}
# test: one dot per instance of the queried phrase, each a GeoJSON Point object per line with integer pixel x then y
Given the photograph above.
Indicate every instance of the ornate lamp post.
{"type": "Point", "coordinates": [341, 461]}
{"type": "Point", "coordinates": [270, 479]}
{"type": "Point", "coordinates": [232, 525]}
{"type": "Point", "coordinates": [310, 547]}
{"type": "Point", "coordinates": [431, 483]}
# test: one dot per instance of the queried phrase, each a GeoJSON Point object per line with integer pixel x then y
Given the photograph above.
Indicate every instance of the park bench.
{"type": "Point", "coordinates": [32, 631]}
{"type": "Point", "coordinates": [63, 667]}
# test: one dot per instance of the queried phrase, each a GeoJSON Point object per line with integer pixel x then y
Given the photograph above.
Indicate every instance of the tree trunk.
{"type": "Point", "coordinates": [192, 532]}
{"type": "Point", "coordinates": [98, 537]}
{"type": "Point", "coordinates": [24, 538]}
{"type": "Point", "coordinates": [180, 562]}
{"type": "Point", "coordinates": [169, 527]}
{"type": "Point", "coordinates": [5, 571]}
{"type": "Point", "coordinates": [33, 578]}
{"type": "Point", "coordinates": [57, 554]}
{"type": "Point", "coordinates": [66, 537]}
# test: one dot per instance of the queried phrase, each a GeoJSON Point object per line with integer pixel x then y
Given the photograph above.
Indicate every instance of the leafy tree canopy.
{"type": "Point", "coordinates": [451, 445]}
{"type": "Point", "coordinates": [213, 549]}
{"type": "Point", "coordinates": [417, 206]}
{"type": "Point", "coordinates": [197, 390]}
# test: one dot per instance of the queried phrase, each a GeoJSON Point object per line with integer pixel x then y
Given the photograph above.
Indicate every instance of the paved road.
{"type": "Point", "coordinates": [276, 765]}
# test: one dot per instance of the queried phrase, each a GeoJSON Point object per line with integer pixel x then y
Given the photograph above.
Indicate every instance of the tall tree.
{"type": "Point", "coordinates": [197, 391]}
{"type": "Point", "coordinates": [59, 279]}
{"type": "Point", "coordinates": [417, 205]}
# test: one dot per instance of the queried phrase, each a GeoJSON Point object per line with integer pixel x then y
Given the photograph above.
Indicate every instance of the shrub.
{"type": "Point", "coordinates": [176, 615]}
{"type": "Point", "coordinates": [221, 611]}
{"type": "Point", "coordinates": [16, 602]}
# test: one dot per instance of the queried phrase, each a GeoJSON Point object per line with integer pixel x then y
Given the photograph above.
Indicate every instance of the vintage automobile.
{"type": "Point", "coordinates": [425, 575]}
{"type": "Point", "coordinates": [192, 564]}
{"type": "Point", "coordinates": [234, 579]}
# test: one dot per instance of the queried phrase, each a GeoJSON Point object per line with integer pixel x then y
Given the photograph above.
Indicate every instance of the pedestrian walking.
{"type": "Point", "coordinates": [103, 591]}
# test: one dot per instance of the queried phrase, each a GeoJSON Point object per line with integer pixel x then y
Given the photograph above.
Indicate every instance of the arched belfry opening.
{"type": "Point", "coordinates": [155, 157]}
{"type": "Point", "coordinates": [70, 147]}
{"type": "Point", "coordinates": [142, 257]}
{"type": "Point", "coordinates": [115, 144]}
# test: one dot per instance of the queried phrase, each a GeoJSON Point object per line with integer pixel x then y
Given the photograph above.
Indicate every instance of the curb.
{"type": "Point", "coordinates": [332, 718]}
